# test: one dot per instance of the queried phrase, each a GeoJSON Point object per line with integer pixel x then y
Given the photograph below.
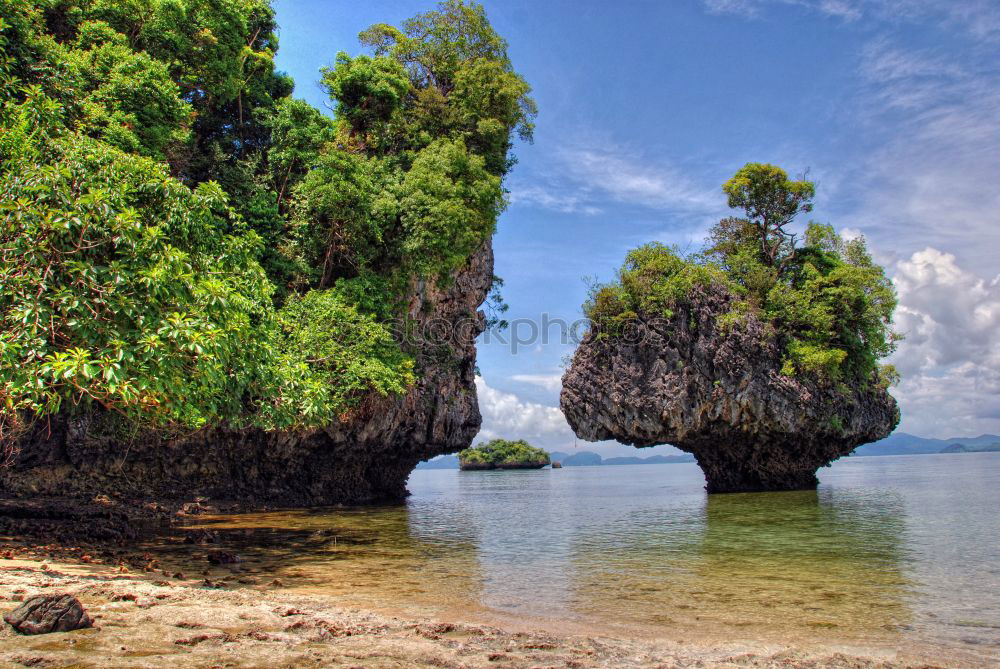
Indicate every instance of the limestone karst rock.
{"type": "Point", "coordinates": [365, 459]}
{"type": "Point", "coordinates": [719, 396]}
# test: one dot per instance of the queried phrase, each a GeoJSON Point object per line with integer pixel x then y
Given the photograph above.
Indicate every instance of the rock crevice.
{"type": "Point", "coordinates": [719, 395]}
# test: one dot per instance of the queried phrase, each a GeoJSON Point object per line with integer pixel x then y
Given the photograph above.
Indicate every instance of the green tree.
{"type": "Point", "coordinates": [368, 91]}
{"type": "Point", "coordinates": [121, 286]}
{"type": "Point", "coordinates": [425, 126]}
{"type": "Point", "coordinates": [500, 453]}
{"type": "Point", "coordinates": [829, 305]}
{"type": "Point", "coordinates": [770, 201]}
{"type": "Point", "coordinates": [462, 81]}
{"type": "Point", "coordinates": [128, 98]}
{"type": "Point", "coordinates": [183, 243]}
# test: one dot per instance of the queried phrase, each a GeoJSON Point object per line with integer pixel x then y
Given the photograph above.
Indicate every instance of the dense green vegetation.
{"type": "Point", "coordinates": [824, 298]}
{"type": "Point", "coordinates": [500, 453]}
{"type": "Point", "coordinates": [184, 243]}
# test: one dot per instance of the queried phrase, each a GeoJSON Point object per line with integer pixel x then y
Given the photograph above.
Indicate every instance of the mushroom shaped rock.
{"type": "Point", "coordinates": [719, 394]}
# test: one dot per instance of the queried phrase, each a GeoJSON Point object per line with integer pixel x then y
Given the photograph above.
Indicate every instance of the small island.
{"type": "Point", "coordinates": [503, 454]}
{"type": "Point", "coordinates": [760, 355]}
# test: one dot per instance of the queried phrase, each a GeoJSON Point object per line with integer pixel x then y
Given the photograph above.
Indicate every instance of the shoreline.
{"type": "Point", "coordinates": [144, 619]}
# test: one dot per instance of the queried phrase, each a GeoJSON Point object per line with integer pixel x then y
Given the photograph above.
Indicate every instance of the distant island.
{"type": "Point", "coordinates": [503, 454]}
{"type": "Point", "coordinates": [902, 443]}
{"type": "Point", "coordinates": [591, 459]}
{"type": "Point", "coordinates": [962, 448]}
{"type": "Point", "coordinates": [579, 459]}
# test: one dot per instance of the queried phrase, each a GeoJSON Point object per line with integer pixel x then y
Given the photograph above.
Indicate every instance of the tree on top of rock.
{"type": "Point", "coordinates": [771, 201]}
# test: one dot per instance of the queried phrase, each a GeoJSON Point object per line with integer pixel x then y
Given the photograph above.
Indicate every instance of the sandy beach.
{"type": "Point", "coordinates": [148, 619]}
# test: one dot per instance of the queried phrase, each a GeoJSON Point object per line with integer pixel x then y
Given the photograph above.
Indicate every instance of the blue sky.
{"type": "Point", "coordinates": [646, 107]}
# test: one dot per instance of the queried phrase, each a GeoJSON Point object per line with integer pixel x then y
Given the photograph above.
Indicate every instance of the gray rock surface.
{"type": "Point", "coordinates": [681, 381]}
{"type": "Point", "coordinates": [365, 459]}
{"type": "Point", "coordinates": [49, 613]}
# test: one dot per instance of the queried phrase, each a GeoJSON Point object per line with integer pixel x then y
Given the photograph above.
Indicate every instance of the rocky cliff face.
{"type": "Point", "coordinates": [681, 381]}
{"type": "Point", "coordinates": [366, 459]}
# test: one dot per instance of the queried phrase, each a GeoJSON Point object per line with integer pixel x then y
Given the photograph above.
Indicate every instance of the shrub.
{"type": "Point", "coordinates": [829, 305]}
{"type": "Point", "coordinates": [500, 453]}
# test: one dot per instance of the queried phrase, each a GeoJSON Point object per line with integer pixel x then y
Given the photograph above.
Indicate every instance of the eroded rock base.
{"type": "Point", "coordinates": [723, 475]}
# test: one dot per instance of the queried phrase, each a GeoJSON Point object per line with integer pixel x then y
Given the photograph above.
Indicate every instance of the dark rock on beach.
{"type": "Point", "coordinates": [223, 557]}
{"type": "Point", "coordinates": [719, 396]}
{"type": "Point", "coordinates": [49, 613]}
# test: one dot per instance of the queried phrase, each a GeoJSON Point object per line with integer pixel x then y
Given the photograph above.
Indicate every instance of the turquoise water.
{"type": "Point", "coordinates": [889, 550]}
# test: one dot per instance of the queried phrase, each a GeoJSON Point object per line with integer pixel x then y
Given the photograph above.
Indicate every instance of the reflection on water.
{"type": "Point", "coordinates": [790, 562]}
{"type": "Point", "coordinates": [888, 550]}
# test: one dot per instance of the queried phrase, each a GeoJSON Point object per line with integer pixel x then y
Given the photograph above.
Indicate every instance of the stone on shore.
{"type": "Point", "coordinates": [49, 613]}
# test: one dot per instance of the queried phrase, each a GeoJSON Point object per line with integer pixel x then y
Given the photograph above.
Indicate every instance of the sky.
{"type": "Point", "coordinates": [647, 106]}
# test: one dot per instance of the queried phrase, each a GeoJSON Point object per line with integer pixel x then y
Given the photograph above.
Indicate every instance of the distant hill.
{"type": "Point", "coordinates": [651, 460]}
{"type": "Point", "coordinates": [578, 459]}
{"type": "Point", "coordinates": [962, 448]}
{"type": "Point", "coordinates": [902, 443]}
{"type": "Point", "coordinates": [442, 462]}
{"type": "Point", "coordinates": [582, 459]}
{"type": "Point", "coordinates": [591, 459]}
{"type": "Point", "coordinates": [899, 443]}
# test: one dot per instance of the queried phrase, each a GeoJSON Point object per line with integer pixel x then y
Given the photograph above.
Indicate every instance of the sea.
{"type": "Point", "coordinates": [888, 552]}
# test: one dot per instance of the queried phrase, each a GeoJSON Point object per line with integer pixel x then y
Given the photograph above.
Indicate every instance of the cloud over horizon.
{"type": "Point", "coordinates": [950, 359]}
{"type": "Point", "coordinates": [507, 416]}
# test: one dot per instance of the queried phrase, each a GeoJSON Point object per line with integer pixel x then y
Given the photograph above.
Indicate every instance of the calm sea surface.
{"type": "Point", "coordinates": [890, 550]}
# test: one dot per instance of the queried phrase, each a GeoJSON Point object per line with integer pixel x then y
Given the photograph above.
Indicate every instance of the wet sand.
{"type": "Point", "coordinates": [152, 619]}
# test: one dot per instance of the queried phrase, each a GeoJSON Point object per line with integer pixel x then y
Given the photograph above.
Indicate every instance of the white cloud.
{"type": "Point", "coordinates": [550, 382]}
{"type": "Point", "coordinates": [884, 63]}
{"type": "Point", "coordinates": [932, 182]}
{"type": "Point", "coordinates": [977, 19]}
{"type": "Point", "coordinates": [553, 199]}
{"type": "Point", "coordinates": [930, 186]}
{"type": "Point", "coordinates": [745, 7]}
{"type": "Point", "coordinates": [848, 10]}
{"type": "Point", "coordinates": [625, 177]}
{"type": "Point", "coordinates": [507, 416]}
{"type": "Point", "coordinates": [950, 360]}
{"type": "Point", "coordinates": [586, 178]}
{"type": "Point", "coordinates": [980, 19]}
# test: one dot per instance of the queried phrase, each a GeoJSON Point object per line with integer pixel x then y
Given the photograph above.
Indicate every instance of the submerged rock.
{"type": "Point", "coordinates": [49, 613]}
{"type": "Point", "coordinates": [720, 396]}
{"type": "Point", "coordinates": [367, 458]}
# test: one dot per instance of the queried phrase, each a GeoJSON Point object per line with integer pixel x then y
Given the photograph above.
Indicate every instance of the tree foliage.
{"type": "Point", "coordinates": [501, 453]}
{"type": "Point", "coordinates": [183, 242]}
{"type": "Point", "coordinates": [425, 128]}
{"type": "Point", "coordinates": [770, 201]}
{"type": "Point", "coordinates": [827, 301]}
{"type": "Point", "coordinates": [121, 285]}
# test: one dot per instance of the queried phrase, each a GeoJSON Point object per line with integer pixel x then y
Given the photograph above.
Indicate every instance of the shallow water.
{"type": "Point", "coordinates": [888, 551]}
